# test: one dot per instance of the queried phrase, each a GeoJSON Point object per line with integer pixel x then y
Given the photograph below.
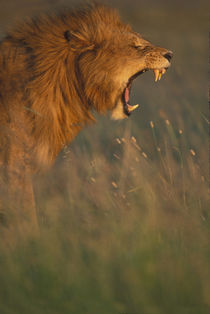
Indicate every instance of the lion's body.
{"type": "Point", "coordinates": [54, 71]}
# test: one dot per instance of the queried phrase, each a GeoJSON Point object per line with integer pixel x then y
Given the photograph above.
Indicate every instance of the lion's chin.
{"type": "Point", "coordinates": [122, 111]}
{"type": "Point", "coordinates": [118, 112]}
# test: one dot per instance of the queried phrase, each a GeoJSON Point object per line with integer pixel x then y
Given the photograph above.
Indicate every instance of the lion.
{"type": "Point", "coordinates": [55, 71]}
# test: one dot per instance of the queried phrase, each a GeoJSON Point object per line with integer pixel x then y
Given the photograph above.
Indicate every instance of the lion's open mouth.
{"type": "Point", "coordinates": [127, 108]}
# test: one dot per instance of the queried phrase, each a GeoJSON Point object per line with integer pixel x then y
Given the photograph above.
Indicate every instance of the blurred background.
{"type": "Point", "coordinates": [124, 212]}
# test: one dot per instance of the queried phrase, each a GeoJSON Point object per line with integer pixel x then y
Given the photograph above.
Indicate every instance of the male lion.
{"type": "Point", "coordinates": [54, 72]}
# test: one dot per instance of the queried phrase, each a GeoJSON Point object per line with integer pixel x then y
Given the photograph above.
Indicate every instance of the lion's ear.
{"type": "Point", "coordinates": [69, 35]}
{"type": "Point", "coordinates": [78, 40]}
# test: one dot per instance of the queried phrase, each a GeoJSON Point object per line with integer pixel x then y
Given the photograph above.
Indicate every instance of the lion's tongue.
{"type": "Point", "coordinates": [129, 107]}
{"type": "Point", "coordinates": [127, 95]}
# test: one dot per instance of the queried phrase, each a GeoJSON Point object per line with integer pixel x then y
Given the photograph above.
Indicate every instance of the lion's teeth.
{"type": "Point", "coordinates": [156, 72]}
{"type": "Point", "coordinates": [131, 108]}
{"type": "Point", "coordinates": [159, 73]}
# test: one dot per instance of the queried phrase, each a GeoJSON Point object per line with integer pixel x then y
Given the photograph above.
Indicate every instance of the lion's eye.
{"type": "Point", "coordinates": [138, 47]}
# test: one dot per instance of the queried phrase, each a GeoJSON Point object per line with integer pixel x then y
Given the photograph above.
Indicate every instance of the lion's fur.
{"type": "Point", "coordinates": [54, 71]}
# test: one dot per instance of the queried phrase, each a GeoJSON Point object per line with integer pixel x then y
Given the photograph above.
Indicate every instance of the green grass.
{"type": "Point", "coordinates": [124, 212]}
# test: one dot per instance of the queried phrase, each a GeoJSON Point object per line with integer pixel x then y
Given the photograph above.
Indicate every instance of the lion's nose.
{"type": "Point", "coordinates": [168, 55]}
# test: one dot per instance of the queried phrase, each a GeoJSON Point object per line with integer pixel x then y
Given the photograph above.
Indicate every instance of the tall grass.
{"type": "Point", "coordinates": [124, 234]}
{"type": "Point", "coordinates": [124, 212]}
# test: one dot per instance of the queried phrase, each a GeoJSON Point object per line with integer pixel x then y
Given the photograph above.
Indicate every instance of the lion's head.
{"type": "Point", "coordinates": [111, 56]}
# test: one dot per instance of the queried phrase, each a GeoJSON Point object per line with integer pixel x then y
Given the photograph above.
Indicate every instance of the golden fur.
{"type": "Point", "coordinates": [54, 72]}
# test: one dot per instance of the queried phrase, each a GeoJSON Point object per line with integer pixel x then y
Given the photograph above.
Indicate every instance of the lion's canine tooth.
{"type": "Point", "coordinates": [131, 108]}
{"type": "Point", "coordinates": [156, 71]}
{"type": "Point", "coordinates": [161, 72]}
